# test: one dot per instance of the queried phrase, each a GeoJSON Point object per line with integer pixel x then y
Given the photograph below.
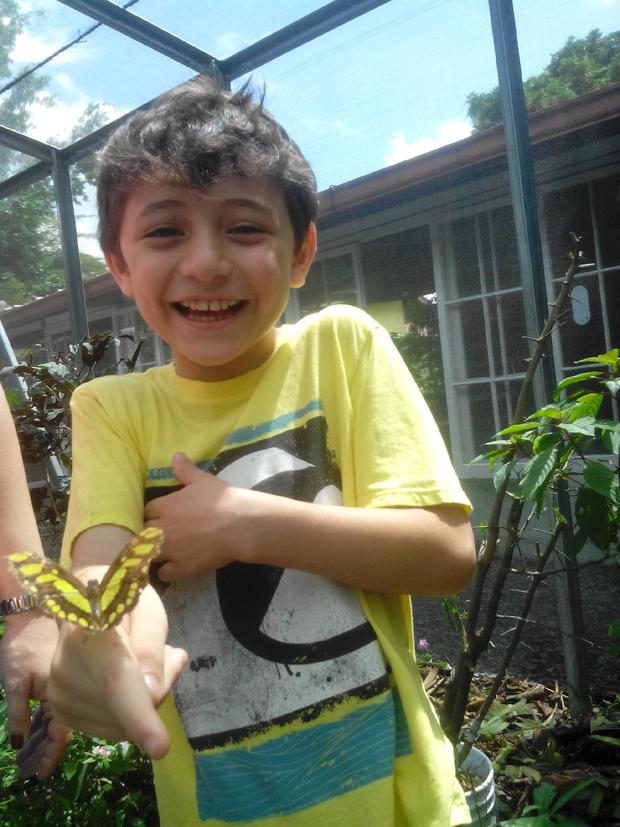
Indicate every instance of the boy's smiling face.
{"type": "Point", "coordinates": [210, 270]}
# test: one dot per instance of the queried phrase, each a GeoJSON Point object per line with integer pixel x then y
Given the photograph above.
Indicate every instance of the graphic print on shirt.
{"type": "Point", "coordinates": [260, 651]}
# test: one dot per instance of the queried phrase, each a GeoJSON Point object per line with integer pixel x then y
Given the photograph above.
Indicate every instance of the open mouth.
{"type": "Point", "coordinates": [209, 311]}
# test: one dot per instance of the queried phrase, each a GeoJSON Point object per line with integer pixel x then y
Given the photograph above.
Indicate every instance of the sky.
{"type": "Point", "coordinates": [385, 87]}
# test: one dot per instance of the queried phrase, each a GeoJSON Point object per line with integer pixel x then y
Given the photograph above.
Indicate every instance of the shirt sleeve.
{"type": "Point", "coordinates": [107, 479]}
{"type": "Point", "coordinates": [400, 457]}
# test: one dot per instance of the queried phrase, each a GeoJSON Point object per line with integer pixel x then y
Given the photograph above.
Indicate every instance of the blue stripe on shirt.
{"type": "Point", "coordinates": [304, 767]}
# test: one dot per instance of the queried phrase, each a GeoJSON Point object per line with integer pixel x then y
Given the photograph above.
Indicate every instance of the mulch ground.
{"type": "Point", "coordinates": [533, 739]}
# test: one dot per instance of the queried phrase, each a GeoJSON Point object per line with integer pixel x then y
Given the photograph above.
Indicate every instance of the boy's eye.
{"type": "Point", "coordinates": [163, 232]}
{"type": "Point", "coordinates": [246, 229]}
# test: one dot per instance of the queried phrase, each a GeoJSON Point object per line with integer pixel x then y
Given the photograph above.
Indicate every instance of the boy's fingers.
{"type": "Point", "coordinates": [130, 702]}
{"type": "Point", "coordinates": [160, 664]}
{"type": "Point", "coordinates": [184, 469]}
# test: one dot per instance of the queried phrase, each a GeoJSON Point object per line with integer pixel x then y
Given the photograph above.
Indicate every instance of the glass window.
{"type": "Point", "coordinates": [477, 422]}
{"type": "Point", "coordinates": [469, 341]}
{"type": "Point", "coordinates": [508, 332]}
{"type": "Point", "coordinates": [607, 210]}
{"type": "Point", "coordinates": [465, 269]}
{"type": "Point", "coordinates": [330, 281]}
{"type": "Point", "coordinates": [567, 211]}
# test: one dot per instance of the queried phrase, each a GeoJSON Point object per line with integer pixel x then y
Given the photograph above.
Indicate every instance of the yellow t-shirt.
{"type": "Point", "coordinates": [301, 703]}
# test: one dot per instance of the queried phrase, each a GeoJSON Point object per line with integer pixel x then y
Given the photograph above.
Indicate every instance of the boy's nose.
{"type": "Point", "coordinates": [206, 260]}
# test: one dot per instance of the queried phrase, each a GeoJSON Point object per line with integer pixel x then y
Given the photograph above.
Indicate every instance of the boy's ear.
{"type": "Point", "coordinates": [120, 273]}
{"type": "Point", "coordinates": [303, 258]}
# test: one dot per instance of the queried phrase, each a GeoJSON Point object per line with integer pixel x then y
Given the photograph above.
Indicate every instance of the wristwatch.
{"type": "Point", "coordinates": [17, 605]}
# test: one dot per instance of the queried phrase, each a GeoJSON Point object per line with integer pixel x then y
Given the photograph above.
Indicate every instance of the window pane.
{"type": "Point", "coordinates": [465, 270]}
{"type": "Point", "coordinates": [607, 208]}
{"type": "Point", "coordinates": [510, 349]}
{"type": "Point", "coordinates": [505, 248]}
{"type": "Point", "coordinates": [612, 305]}
{"type": "Point", "coordinates": [468, 337]}
{"type": "Point", "coordinates": [582, 334]}
{"type": "Point", "coordinates": [398, 266]}
{"type": "Point", "coordinates": [567, 211]}
{"type": "Point", "coordinates": [507, 395]}
{"type": "Point", "coordinates": [331, 281]}
{"type": "Point", "coordinates": [478, 423]}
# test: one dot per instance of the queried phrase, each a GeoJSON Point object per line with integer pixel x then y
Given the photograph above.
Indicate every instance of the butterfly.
{"type": "Point", "coordinates": [96, 606]}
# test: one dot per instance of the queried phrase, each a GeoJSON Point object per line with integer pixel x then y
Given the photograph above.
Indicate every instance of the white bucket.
{"type": "Point", "coordinates": [481, 800]}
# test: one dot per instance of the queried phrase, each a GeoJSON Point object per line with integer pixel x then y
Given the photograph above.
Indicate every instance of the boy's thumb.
{"type": "Point", "coordinates": [184, 469]}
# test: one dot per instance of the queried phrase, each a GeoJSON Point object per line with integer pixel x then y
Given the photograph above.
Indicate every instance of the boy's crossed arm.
{"type": "Point", "coordinates": [208, 523]}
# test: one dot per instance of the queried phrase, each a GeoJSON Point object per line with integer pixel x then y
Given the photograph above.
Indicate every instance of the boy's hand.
{"type": "Point", "coordinates": [200, 522]}
{"type": "Point", "coordinates": [109, 683]}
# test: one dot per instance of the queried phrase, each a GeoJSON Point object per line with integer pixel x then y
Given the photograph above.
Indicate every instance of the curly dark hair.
{"type": "Point", "coordinates": [192, 135]}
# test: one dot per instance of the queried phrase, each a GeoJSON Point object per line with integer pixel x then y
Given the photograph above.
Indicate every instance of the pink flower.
{"type": "Point", "coordinates": [423, 644]}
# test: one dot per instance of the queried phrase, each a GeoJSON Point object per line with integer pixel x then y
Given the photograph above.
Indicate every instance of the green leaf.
{"type": "Point", "coordinates": [592, 515]}
{"type": "Point", "coordinates": [607, 739]}
{"type": "Point", "coordinates": [572, 791]}
{"type": "Point", "coordinates": [613, 386]}
{"type": "Point", "coordinates": [500, 477]}
{"type": "Point", "coordinates": [543, 796]}
{"type": "Point", "coordinates": [614, 630]}
{"type": "Point", "coordinates": [573, 380]}
{"type": "Point", "coordinates": [548, 412]}
{"type": "Point", "coordinates": [536, 472]}
{"type": "Point", "coordinates": [518, 427]}
{"type": "Point", "coordinates": [546, 440]}
{"type": "Point", "coordinates": [600, 478]}
{"type": "Point", "coordinates": [609, 358]}
{"type": "Point", "coordinates": [586, 425]}
{"type": "Point", "coordinates": [588, 405]}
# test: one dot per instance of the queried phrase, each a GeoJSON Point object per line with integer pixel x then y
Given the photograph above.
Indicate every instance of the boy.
{"type": "Point", "coordinates": [308, 489]}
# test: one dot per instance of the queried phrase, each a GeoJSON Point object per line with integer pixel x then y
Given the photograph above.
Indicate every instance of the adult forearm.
{"type": "Point", "coordinates": [18, 528]}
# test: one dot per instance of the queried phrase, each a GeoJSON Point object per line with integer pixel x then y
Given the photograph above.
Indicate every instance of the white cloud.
{"type": "Point", "coordinates": [32, 49]}
{"type": "Point", "coordinates": [448, 132]}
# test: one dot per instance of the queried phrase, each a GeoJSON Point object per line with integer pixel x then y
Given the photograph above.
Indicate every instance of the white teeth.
{"type": "Point", "coordinates": [213, 306]}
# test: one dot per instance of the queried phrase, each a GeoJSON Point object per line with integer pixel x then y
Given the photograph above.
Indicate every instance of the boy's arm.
{"type": "Point", "coordinates": [422, 551]}
{"type": "Point", "coordinates": [109, 683]}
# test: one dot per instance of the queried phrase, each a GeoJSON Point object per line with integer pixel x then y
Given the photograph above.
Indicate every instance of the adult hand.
{"type": "Point", "coordinates": [45, 745]}
{"type": "Point", "coordinates": [25, 656]}
{"type": "Point", "coordinates": [109, 684]}
{"type": "Point", "coordinates": [203, 523]}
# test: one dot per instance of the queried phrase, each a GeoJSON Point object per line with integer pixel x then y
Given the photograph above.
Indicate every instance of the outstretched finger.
{"type": "Point", "coordinates": [127, 694]}
{"type": "Point", "coordinates": [148, 630]}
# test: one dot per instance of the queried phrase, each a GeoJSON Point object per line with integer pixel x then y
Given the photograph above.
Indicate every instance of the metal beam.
{"type": "Point", "coordinates": [524, 205]}
{"type": "Point", "coordinates": [23, 143]}
{"type": "Point", "coordinates": [301, 31]}
{"type": "Point", "coordinates": [146, 33]}
{"type": "Point", "coordinates": [21, 180]}
{"type": "Point", "coordinates": [70, 249]}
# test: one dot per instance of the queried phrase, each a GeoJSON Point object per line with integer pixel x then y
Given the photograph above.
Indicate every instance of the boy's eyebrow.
{"type": "Point", "coordinates": [172, 203]}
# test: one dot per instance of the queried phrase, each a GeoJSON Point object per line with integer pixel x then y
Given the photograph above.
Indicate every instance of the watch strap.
{"type": "Point", "coordinates": [18, 604]}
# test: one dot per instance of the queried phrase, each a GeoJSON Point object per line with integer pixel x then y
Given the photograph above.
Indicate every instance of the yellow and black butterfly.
{"type": "Point", "coordinates": [96, 606]}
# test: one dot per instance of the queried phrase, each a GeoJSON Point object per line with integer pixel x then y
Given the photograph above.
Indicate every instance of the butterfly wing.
{"type": "Point", "coordinates": [58, 592]}
{"type": "Point", "coordinates": [127, 576]}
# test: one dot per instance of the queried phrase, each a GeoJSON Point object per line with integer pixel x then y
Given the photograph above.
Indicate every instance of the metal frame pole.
{"type": "Point", "coordinates": [70, 249]}
{"type": "Point", "coordinates": [523, 190]}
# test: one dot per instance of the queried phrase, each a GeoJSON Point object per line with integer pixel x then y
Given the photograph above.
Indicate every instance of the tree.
{"type": "Point", "coordinates": [30, 254]}
{"type": "Point", "coordinates": [580, 66]}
